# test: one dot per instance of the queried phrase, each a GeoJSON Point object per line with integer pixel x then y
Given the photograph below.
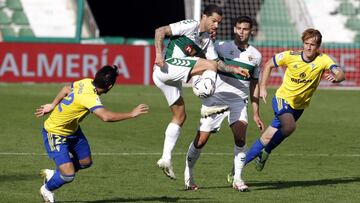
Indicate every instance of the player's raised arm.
{"type": "Point", "coordinates": [46, 108]}
{"type": "Point", "coordinates": [109, 116]}
{"type": "Point", "coordinates": [160, 34]}
{"type": "Point", "coordinates": [264, 78]}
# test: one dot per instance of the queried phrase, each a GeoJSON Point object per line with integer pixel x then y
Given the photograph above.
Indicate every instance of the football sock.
{"type": "Point", "coordinates": [192, 156]}
{"type": "Point", "coordinates": [210, 74]}
{"type": "Point", "coordinates": [254, 151]}
{"type": "Point", "coordinates": [239, 161]}
{"type": "Point", "coordinates": [57, 180]}
{"type": "Point", "coordinates": [172, 134]}
{"type": "Point", "coordinates": [277, 138]}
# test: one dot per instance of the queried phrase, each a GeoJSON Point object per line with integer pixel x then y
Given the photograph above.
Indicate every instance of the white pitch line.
{"type": "Point", "coordinates": [158, 153]}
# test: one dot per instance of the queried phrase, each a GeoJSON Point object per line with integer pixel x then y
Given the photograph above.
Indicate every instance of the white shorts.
{"type": "Point", "coordinates": [237, 111]}
{"type": "Point", "coordinates": [170, 77]}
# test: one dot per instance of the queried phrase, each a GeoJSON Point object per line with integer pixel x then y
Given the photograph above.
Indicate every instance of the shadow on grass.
{"type": "Point", "coordinates": [270, 185]}
{"type": "Point", "coordinates": [18, 177]}
{"type": "Point", "coordinates": [301, 183]}
{"type": "Point", "coordinates": [146, 199]}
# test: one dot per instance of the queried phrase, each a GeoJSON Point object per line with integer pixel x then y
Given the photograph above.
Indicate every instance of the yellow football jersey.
{"type": "Point", "coordinates": [301, 77]}
{"type": "Point", "coordinates": [66, 116]}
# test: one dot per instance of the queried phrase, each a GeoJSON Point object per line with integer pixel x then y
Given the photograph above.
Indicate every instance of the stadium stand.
{"type": "Point", "coordinates": [43, 18]}
{"type": "Point", "coordinates": [284, 20]}
{"type": "Point", "coordinates": [275, 27]}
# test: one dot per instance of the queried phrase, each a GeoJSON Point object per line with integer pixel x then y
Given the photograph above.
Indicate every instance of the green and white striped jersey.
{"type": "Point", "coordinates": [186, 40]}
{"type": "Point", "coordinates": [249, 59]}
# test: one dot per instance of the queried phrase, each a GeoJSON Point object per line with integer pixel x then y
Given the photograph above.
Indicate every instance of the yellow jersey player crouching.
{"type": "Point", "coordinates": [64, 141]}
{"type": "Point", "coordinates": [304, 70]}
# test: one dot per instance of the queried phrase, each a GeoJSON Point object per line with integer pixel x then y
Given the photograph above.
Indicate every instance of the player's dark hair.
{"type": "Point", "coordinates": [244, 19]}
{"type": "Point", "coordinates": [106, 77]}
{"type": "Point", "coordinates": [310, 33]}
{"type": "Point", "coordinates": [210, 9]}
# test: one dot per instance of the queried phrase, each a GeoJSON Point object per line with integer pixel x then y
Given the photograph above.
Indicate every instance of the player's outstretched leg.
{"type": "Point", "coordinates": [261, 160]}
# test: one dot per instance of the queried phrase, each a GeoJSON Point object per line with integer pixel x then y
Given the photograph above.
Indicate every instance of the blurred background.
{"type": "Point", "coordinates": [63, 40]}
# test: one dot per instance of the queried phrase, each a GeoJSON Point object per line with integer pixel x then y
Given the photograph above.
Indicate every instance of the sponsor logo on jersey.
{"type": "Point", "coordinates": [298, 80]}
{"type": "Point", "coordinates": [189, 50]}
{"type": "Point", "coordinates": [302, 75]}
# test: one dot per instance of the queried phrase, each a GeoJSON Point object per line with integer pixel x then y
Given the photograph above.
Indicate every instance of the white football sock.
{"type": "Point", "coordinates": [210, 74]}
{"type": "Point", "coordinates": [172, 134]}
{"type": "Point", "coordinates": [192, 156]}
{"type": "Point", "coordinates": [239, 161]}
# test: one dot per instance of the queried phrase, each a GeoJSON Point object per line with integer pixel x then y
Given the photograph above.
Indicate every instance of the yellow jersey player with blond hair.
{"type": "Point", "coordinates": [304, 70]}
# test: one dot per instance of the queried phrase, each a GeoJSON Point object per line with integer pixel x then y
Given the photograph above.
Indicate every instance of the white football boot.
{"type": "Point", "coordinates": [240, 186]}
{"type": "Point", "coordinates": [211, 110]}
{"type": "Point", "coordinates": [167, 168]}
{"type": "Point", "coordinates": [46, 174]}
{"type": "Point", "coordinates": [47, 195]}
{"type": "Point", "coordinates": [189, 180]}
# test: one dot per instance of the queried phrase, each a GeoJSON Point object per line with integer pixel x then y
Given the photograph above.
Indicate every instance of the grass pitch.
{"type": "Point", "coordinates": [318, 163]}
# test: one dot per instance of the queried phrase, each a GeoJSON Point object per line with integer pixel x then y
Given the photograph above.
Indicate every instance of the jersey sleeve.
{"type": "Point", "coordinates": [256, 72]}
{"type": "Point", "coordinates": [279, 59]}
{"type": "Point", "coordinates": [91, 102]}
{"type": "Point", "coordinates": [329, 62]}
{"type": "Point", "coordinates": [183, 27]}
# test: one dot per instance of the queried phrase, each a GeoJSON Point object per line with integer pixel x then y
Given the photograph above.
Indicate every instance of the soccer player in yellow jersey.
{"type": "Point", "coordinates": [64, 141]}
{"type": "Point", "coordinates": [304, 70]}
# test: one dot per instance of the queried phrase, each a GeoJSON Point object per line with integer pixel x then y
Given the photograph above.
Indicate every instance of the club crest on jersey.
{"type": "Point", "coordinates": [312, 66]}
{"type": "Point", "coordinates": [189, 50]}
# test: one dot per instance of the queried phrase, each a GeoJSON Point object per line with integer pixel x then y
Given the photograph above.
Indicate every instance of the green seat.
{"type": "Point", "coordinates": [4, 18]}
{"type": "Point", "coordinates": [2, 4]}
{"type": "Point", "coordinates": [14, 4]}
{"type": "Point", "coordinates": [357, 38]}
{"type": "Point", "coordinates": [275, 23]}
{"type": "Point", "coordinates": [347, 8]}
{"type": "Point", "coordinates": [353, 23]}
{"type": "Point", "coordinates": [26, 32]}
{"type": "Point", "coordinates": [20, 18]}
{"type": "Point", "coordinates": [8, 32]}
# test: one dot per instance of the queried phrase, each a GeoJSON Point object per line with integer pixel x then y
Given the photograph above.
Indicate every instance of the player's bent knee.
{"type": "Point", "coordinates": [68, 178]}
{"type": "Point", "coordinates": [84, 166]}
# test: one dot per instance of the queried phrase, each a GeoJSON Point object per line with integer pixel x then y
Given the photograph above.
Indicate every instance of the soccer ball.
{"type": "Point", "coordinates": [203, 87]}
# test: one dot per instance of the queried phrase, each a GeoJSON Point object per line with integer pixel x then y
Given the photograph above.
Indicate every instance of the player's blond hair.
{"type": "Point", "coordinates": [310, 33]}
